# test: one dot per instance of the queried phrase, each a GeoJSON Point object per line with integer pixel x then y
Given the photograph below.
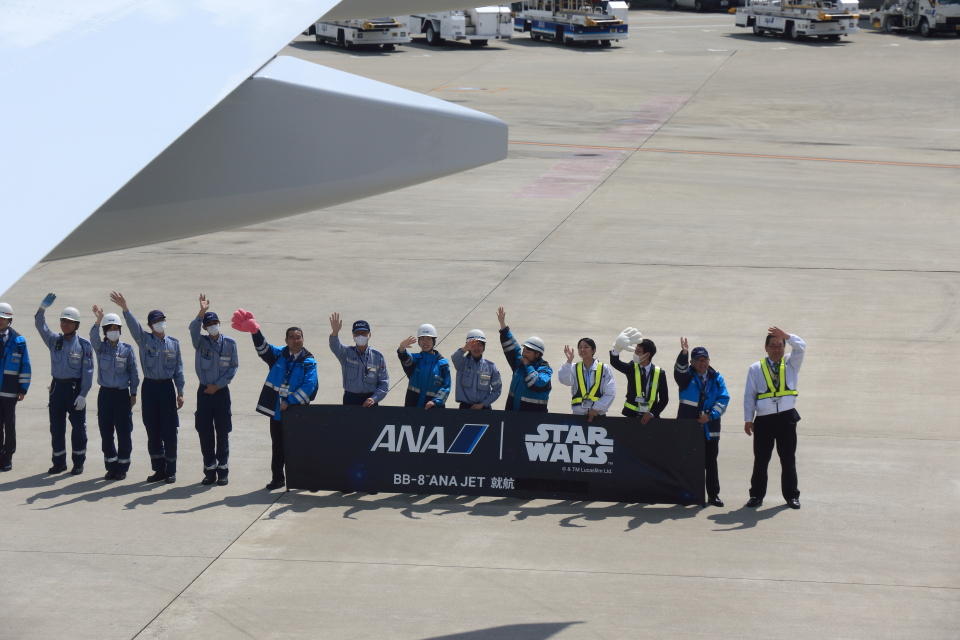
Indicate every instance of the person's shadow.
{"type": "Point", "coordinates": [745, 517]}
{"type": "Point", "coordinates": [255, 497]}
{"type": "Point", "coordinates": [77, 487]}
{"type": "Point", "coordinates": [34, 482]}
{"type": "Point", "coordinates": [110, 490]}
{"type": "Point", "coordinates": [176, 493]}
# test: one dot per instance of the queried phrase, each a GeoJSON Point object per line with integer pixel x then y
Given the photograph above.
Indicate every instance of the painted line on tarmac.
{"type": "Point", "coordinates": [734, 154]}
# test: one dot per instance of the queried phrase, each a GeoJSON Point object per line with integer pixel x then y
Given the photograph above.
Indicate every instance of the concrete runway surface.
{"type": "Point", "coordinates": [694, 180]}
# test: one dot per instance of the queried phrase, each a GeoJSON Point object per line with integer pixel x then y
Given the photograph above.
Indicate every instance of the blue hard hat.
{"type": "Point", "coordinates": [210, 318]}
{"type": "Point", "coordinates": [155, 316]}
{"type": "Point", "coordinates": [699, 352]}
{"type": "Point", "coordinates": [361, 325]}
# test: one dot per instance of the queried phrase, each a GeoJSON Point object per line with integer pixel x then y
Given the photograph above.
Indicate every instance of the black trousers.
{"type": "Point", "coordinates": [276, 439]}
{"type": "Point", "coordinates": [115, 415]}
{"type": "Point", "coordinates": [778, 429]}
{"type": "Point", "coordinates": [158, 400]}
{"type": "Point", "coordinates": [214, 423]}
{"type": "Point", "coordinates": [8, 430]}
{"type": "Point", "coordinates": [468, 405]}
{"type": "Point", "coordinates": [63, 393]}
{"type": "Point", "coordinates": [711, 450]}
{"type": "Point", "coordinates": [356, 399]}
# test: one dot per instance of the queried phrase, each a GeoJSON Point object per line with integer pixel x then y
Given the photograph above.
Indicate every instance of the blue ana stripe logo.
{"type": "Point", "coordinates": [466, 441]}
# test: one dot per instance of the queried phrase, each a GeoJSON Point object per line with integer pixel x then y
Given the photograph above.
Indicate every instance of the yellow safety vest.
{"type": "Point", "coordinates": [771, 391]}
{"type": "Point", "coordinates": [582, 385]}
{"type": "Point", "coordinates": [646, 403]}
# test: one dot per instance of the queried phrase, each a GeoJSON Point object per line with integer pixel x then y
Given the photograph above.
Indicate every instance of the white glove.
{"type": "Point", "coordinates": [628, 337]}
{"type": "Point", "coordinates": [80, 403]}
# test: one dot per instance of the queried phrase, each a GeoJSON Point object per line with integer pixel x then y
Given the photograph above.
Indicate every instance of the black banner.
{"type": "Point", "coordinates": [493, 453]}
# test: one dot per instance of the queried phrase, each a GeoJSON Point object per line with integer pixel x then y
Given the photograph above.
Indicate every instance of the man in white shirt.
{"type": "Point", "coordinates": [770, 415]}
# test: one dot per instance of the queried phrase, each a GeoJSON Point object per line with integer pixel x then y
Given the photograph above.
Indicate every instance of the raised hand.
{"type": "Point", "coordinates": [117, 298]}
{"type": "Point", "coordinates": [684, 345]}
{"type": "Point", "coordinates": [634, 334]}
{"type": "Point", "coordinates": [98, 312]}
{"type": "Point", "coordinates": [204, 304]}
{"type": "Point", "coordinates": [567, 351]}
{"type": "Point", "coordinates": [48, 300]}
{"type": "Point", "coordinates": [335, 323]}
{"type": "Point", "coordinates": [777, 332]}
{"type": "Point", "coordinates": [243, 320]}
{"type": "Point", "coordinates": [502, 317]}
{"type": "Point", "coordinates": [406, 342]}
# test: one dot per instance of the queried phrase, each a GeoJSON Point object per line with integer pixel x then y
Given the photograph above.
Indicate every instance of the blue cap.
{"type": "Point", "coordinates": [154, 316]}
{"type": "Point", "coordinates": [210, 318]}
{"type": "Point", "coordinates": [699, 352]}
{"type": "Point", "coordinates": [361, 325]}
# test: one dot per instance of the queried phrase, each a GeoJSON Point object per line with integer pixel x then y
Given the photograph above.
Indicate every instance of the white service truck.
{"type": "Point", "coordinates": [925, 17]}
{"type": "Point", "coordinates": [569, 21]}
{"type": "Point", "coordinates": [384, 33]}
{"type": "Point", "coordinates": [477, 26]}
{"type": "Point", "coordinates": [795, 19]}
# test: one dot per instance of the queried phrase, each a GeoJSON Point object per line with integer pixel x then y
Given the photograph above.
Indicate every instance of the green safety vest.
{"type": "Point", "coordinates": [582, 385]}
{"type": "Point", "coordinates": [772, 392]}
{"type": "Point", "coordinates": [646, 403]}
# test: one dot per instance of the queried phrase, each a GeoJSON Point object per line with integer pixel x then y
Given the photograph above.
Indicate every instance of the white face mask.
{"type": "Point", "coordinates": [113, 336]}
{"type": "Point", "coordinates": [214, 330]}
{"type": "Point", "coordinates": [638, 359]}
{"type": "Point", "coordinates": [159, 327]}
{"type": "Point", "coordinates": [361, 340]}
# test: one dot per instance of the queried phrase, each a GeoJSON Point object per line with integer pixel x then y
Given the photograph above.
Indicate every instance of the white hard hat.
{"type": "Point", "coordinates": [70, 313]}
{"type": "Point", "coordinates": [6, 311]}
{"type": "Point", "coordinates": [476, 334]}
{"type": "Point", "coordinates": [427, 330]}
{"type": "Point", "coordinates": [112, 318]}
{"type": "Point", "coordinates": [535, 343]}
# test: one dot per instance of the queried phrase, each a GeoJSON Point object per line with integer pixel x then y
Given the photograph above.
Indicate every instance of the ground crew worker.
{"type": "Point", "coordinates": [704, 398]}
{"type": "Point", "coordinates": [15, 363]}
{"type": "Point", "coordinates": [647, 393]}
{"type": "Point", "coordinates": [428, 371]}
{"type": "Point", "coordinates": [162, 390]}
{"type": "Point", "coordinates": [770, 415]}
{"type": "Point", "coordinates": [292, 379]}
{"type": "Point", "coordinates": [530, 385]}
{"type": "Point", "coordinates": [119, 379]}
{"type": "Point", "coordinates": [365, 378]}
{"type": "Point", "coordinates": [216, 363]}
{"type": "Point", "coordinates": [478, 379]}
{"type": "Point", "coordinates": [71, 365]}
{"type": "Point", "coordinates": [593, 386]}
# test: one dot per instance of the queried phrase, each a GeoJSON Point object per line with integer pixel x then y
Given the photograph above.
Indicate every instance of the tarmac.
{"type": "Point", "coordinates": [694, 180]}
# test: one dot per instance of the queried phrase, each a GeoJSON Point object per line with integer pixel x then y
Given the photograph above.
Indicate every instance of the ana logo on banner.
{"type": "Point", "coordinates": [568, 443]}
{"type": "Point", "coordinates": [403, 439]}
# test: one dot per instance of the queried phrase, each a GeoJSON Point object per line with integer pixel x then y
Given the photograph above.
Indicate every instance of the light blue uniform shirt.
{"type": "Point", "coordinates": [362, 372]}
{"type": "Point", "coordinates": [74, 357]}
{"type": "Point", "coordinates": [216, 360]}
{"type": "Point", "coordinates": [159, 357]}
{"type": "Point", "coordinates": [478, 381]}
{"type": "Point", "coordinates": [116, 363]}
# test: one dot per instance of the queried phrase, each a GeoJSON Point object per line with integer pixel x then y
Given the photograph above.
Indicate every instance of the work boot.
{"type": "Point", "coordinates": [222, 480]}
{"type": "Point", "coordinates": [209, 477]}
{"type": "Point", "coordinates": [57, 468]}
{"type": "Point", "coordinates": [170, 479]}
{"type": "Point", "coordinates": [77, 470]}
{"type": "Point", "coordinates": [109, 476]}
{"type": "Point", "coordinates": [6, 467]}
{"type": "Point", "coordinates": [276, 483]}
{"type": "Point", "coordinates": [156, 477]}
{"type": "Point", "coordinates": [119, 475]}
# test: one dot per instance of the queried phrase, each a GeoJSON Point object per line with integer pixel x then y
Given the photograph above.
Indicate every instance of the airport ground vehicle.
{"type": "Point", "coordinates": [569, 21]}
{"type": "Point", "coordinates": [925, 17]}
{"type": "Point", "coordinates": [385, 33]}
{"type": "Point", "coordinates": [795, 19]}
{"type": "Point", "coordinates": [476, 26]}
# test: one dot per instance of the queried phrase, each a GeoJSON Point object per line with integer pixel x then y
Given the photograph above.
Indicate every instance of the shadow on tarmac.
{"type": "Point", "coordinates": [34, 482]}
{"type": "Point", "coordinates": [575, 513]}
{"type": "Point", "coordinates": [745, 517]}
{"type": "Point", "coordinates": [258, 496]}
{"type": "Point", "coordinates": [108, 490]}
{"type": "Point", "coordinates": [530, 631]}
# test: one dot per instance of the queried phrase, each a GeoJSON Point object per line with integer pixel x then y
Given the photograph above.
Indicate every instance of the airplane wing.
{"type": "Point", "coordinates": [127, 122]}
